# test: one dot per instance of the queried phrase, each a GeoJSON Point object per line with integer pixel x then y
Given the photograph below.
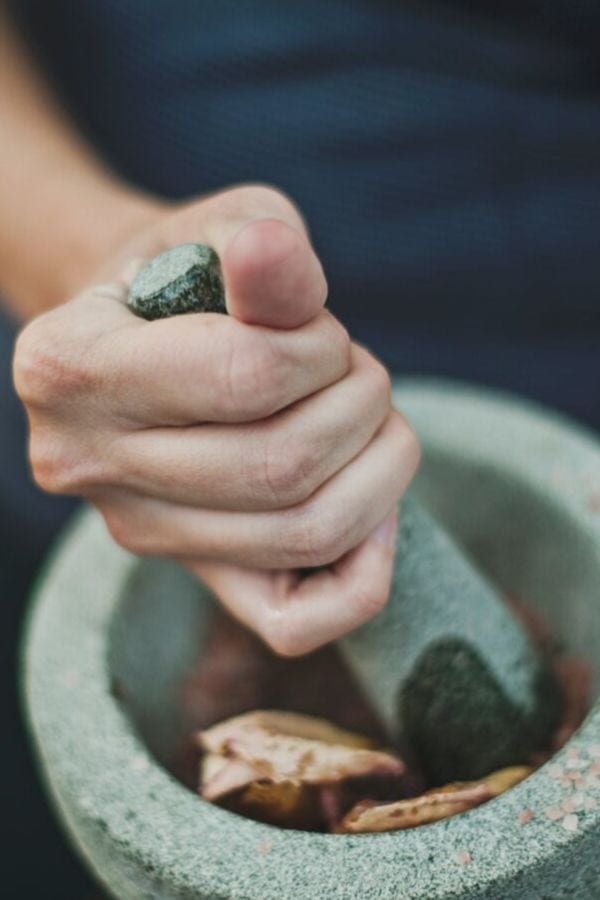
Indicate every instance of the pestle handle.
{"type": "Point", "coordinates": [452, 674]}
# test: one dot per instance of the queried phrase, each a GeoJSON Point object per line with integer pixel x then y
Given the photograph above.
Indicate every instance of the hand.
{"type": "Point", "coordinates": [246, 446]}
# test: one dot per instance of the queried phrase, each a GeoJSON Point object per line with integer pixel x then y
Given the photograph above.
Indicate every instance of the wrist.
{"type": "Point", "coordinates": [79, 230]}
{"type": "Point", "coordinates": [106, 226]}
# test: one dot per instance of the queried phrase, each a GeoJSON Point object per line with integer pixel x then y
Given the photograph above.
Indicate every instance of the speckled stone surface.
{"type": "Point", "coordinates": [531, 521]}
{"type": "Point", "coordinates": [184, 279]}
{"type": "Point", "coordinates": [451, 672]}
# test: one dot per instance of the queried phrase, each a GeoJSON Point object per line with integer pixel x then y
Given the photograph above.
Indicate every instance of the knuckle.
{"type": "Point", "coordinates": [410, 444]}
{"type": "Point", "coordinates": [375, 381]}
{"type": "Point", "coordinates": [338, 340]}
{"type": "Point", "coordinates": [289, 471]}
{"type": "Point", "coordinates": [31, 363]}
{"type": "Point", "coordinates": [50, 465]}
{"type": "Point", "coordinates": [46, 367]}
{"type": "Point", "coordinates": [118, 528]}
{"type": "Point", "coordinates": [280, 635]}
{"type": "Point", "coordinates": [249, 379]}
{"type": "Point", "coordinates": [380, 379]}
{"type": "Point", "coordinates": [248, 199]}
{"type": "Point", "coordinates": [368, 599]}
{"type": "Point", "coordinates": [47, 465]}
{"type": "Point", "coordinates": [60, 467]}
{"type": "Point", "coordinates": [123, 531]}
{"type": "Point", "coordinates": [317, 537]}
{"type": "Point", "coordinates": [257, 198]}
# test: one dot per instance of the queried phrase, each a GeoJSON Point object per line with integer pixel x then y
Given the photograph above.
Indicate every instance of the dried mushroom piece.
{"type": "Point", "coordinates": [286, 768]}
{"type": "Point", "coordinates": [504, 779]}
{"type": "Point", "coordinates": [220, 776]}
{"type": "Point", "coordinates": [432, 806]}
{"type": "Point", "coordinates": [302, 772]}
{"type": "Point", "coordinates": [286, 804]}
{"type": "Point", "coordinates": [279, 747]}
{"type": "Point", "coordinates": [279, 723]}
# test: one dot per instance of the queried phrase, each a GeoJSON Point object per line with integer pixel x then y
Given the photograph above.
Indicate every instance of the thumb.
{"type": "Point", "coordinates": [272, 274]}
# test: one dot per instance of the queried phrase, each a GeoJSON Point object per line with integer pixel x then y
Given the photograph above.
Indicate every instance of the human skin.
{"type": "Point", "coordinates": [247, 447]}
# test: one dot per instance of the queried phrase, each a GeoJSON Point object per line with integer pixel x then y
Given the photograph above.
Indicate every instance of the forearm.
{"type": "Point", "coordinates": [62, 213]}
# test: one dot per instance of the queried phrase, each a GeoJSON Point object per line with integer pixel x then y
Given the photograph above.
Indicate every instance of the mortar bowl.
{"type": "Point", "coordinates": [519, 488]}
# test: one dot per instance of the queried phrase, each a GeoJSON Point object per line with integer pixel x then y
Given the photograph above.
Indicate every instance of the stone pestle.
{"type": "Point", "coordinates": [455, 679]}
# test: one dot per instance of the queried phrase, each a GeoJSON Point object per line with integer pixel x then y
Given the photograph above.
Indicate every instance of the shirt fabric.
{"type": "Point", "coordinates": [446, 157]}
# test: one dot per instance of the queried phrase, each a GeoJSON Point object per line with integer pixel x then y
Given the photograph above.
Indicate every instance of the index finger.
{"type": "Point", "coordinates": [206, 367]}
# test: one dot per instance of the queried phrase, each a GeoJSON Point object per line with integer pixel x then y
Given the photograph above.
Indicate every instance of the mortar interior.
{"type": "Point", "coordinates": [530, 546]}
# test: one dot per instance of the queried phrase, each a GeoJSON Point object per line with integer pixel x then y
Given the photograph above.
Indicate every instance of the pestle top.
{"type": "Point", "coordinates": [183, 279]}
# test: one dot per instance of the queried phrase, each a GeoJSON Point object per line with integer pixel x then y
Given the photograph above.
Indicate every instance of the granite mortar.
{"type": "Point", "coordinates": [533, 526]}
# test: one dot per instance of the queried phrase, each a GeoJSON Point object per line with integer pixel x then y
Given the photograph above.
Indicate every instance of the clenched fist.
{"type": "Point", "coordinates": [248, 446]}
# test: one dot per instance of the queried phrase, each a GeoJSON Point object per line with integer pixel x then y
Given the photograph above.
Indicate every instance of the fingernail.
{"type": "Point", "coordinates": [386, 532]}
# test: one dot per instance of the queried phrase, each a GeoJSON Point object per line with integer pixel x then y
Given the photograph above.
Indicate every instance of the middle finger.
{"type": "Point", "coordinates": [317, 532]}
{"type": "Point", "coordinates": [272, 464]}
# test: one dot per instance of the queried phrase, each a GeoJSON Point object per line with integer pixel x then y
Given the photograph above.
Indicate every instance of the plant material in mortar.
{"type": "Point", "coordinates": [433, 805]}
{"type": "Point", "coordinates": [287, 768]}
{"type": "Point", "coordinates": [302, 772]}
{"type": "Point", "coordinates": [229, 776]}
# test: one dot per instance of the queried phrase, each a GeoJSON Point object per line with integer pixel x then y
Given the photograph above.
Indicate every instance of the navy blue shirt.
{"type": "Point", "coordinates": [445, 155]}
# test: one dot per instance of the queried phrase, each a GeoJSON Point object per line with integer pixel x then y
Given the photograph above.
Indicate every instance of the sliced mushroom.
{"type": "Point", "coordinates": [287, 747]}
{"type": "Point", "coordinates": [433, 805]}
{"type": "Point", "coordinates": [285, 768]}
